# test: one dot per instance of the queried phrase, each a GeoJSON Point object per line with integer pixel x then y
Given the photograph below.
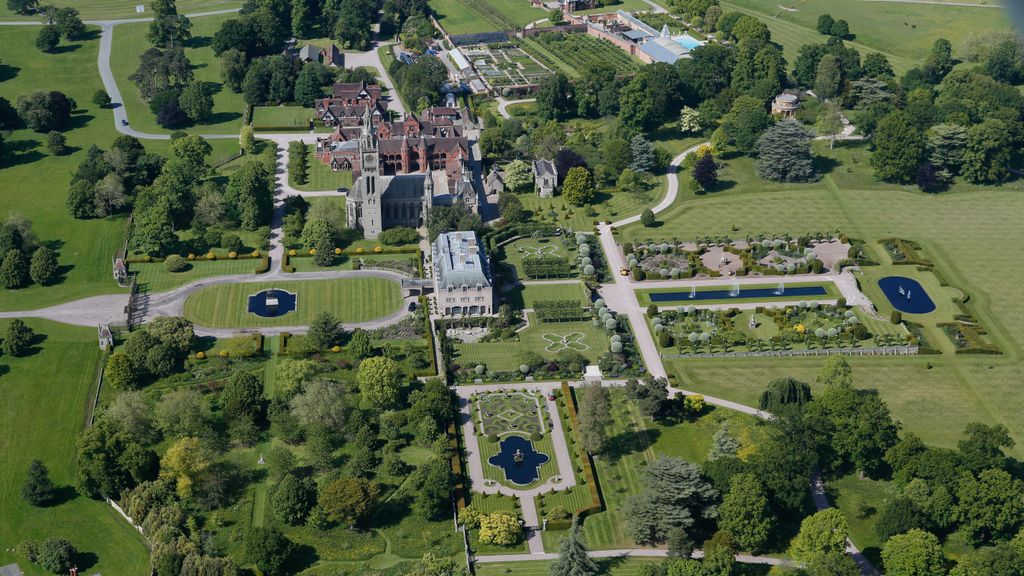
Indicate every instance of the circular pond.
{"type": "Point", "coordinates": [519, 460]}
{"type": "Point", "coordinates": [272, 303]}
{"type": "Point", "coordinates": [906, 295]}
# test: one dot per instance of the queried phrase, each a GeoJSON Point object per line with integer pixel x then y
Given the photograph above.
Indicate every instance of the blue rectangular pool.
{"type": "Point", "coordinates": [744, 294]}
{"type": "Point", "coordinates": [686, 41]}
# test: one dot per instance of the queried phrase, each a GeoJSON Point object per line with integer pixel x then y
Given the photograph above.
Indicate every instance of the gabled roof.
{"type": "Point", "coordinates": [544, 168]}
{"type": "Point", "coordinates": [664, 50]}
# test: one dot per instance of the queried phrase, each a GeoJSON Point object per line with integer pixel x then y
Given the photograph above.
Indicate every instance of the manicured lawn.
{"type": "Point", "coordinates": [46, 396]}
{"type": "Point", "coordinates": [644, 296]}
{"type": "Point", "coordinates": [528, 295]}
{"type": "Point", "coordinates": [320, 176]}
{"type": "Point", "coordinates": [154, 277]}
{"type": "Point", "coordinates": [876, 25]}
{"type": "Point", "coordinates": [608, 206]}
{"type": "Point", "coordinates": [463, 17]}
{"type": "Point", "coordinates": [590, 341]}
{"type": "Point", "coordinates": [108, 9]}
{"type": "Point", "coordinates": [34, 183]}
{"type": "Point", "coordinates": [266, 118]}
{"type": "Point", "coordinates": [349, 299]}
{"type": "Point", "coordinates": [130, 42]}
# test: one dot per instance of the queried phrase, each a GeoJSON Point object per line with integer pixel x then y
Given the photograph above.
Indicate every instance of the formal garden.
{"type": "Point", "coordinates": [515, 435]}
{"type": "Point", "coordinates": [576, 51]}
{"type": "Point", "coordinates": [688, 330]}
{"type": "Point", "coordinates": [504, 64]}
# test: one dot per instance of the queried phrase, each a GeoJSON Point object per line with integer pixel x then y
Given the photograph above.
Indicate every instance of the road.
{"type": "Point", "coordinates": [503, 105]}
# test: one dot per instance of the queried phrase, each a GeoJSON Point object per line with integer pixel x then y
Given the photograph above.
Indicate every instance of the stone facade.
{"type": "Point", "coordinates": [462, 276]}
{"type": "Point", "coordinates": [545, 178]}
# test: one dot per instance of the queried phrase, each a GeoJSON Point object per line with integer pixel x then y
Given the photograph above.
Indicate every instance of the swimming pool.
{"type": "Point", "coordinates": [687, 41]}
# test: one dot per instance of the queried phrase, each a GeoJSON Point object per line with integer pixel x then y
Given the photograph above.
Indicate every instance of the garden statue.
{"type": "Point", "coordinates": [518, 457]}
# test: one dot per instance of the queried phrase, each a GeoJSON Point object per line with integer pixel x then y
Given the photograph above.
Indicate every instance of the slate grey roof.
{"type": "Point", "coordinates": [543, 168]}
{"type": "Point", "coordinates": [310, 53]}
{"type": "Point", "coordinates": [459, 259]}
{"type": "Point", "coordinates": [664, 50]}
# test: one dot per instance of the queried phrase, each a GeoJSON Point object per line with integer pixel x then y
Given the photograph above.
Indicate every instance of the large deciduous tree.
{"type": "Point", "coordinates": [899, 147]}
{"type": "Point", "coordinates": [349, 500]}
{"type": "Point", "coordinates": [45, 111]}
{"type": "Point", "coordinates": [744, 513]}
{"type": "Point", "coordinates": [916, 553]}
{"type": "Point", "coordinates": [379, 379]}
{"type": "Point", "coordinates": [554, 97]}
{"type": "Point", "coordinates": [578, 188]}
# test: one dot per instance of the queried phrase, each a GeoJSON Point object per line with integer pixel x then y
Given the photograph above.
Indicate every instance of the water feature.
{"type": "Point", "coordinates": [272, 303]}
{"type": "Point", "coordinates": [687, 41]}
{"type": "Point", "coordinates": [782, 288]}
{"type": "Point", "coordinates": [906, 295]}
{"type": "Point", "coordinates": [693, 291]}
{"type": "Point", "coordinates": [519, 460]}
{"type": "Point", "coordinates": [735, 289]}
{"type": "Point", "coordinates": [734, 293]}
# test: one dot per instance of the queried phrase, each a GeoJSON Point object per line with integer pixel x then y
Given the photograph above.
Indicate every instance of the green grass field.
{"type": "Point", "coordinates": [349, 299]}
{"type": "Point", "coordinates": [46, 395]}
{"type": "Point", "coordinates": [109, 9]}
{"type": "Point", "coordinates": [154, 277]}
{"type": "Point", "coordinates": [501, 356]}
{"type": "Point", "coordinates": [461, 17]}
{"type": "Point", "coordinates": [130, 42]}
{"type": "Point", "coordinates": [280, 117]}
{"type": "Point", "coordinates": [875, 25]}
{"type": "Point", "coordinates": [526, 296]}
{"type": "Point", "coordinates": [34, 183]}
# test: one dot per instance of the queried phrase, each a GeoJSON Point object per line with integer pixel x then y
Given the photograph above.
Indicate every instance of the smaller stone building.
{"type": "Point", "coordinates": [785, 105]}
{"type": "Point", "coordinates": [545, 178]}
{"type": "Point", "coordinates": [462, 276]}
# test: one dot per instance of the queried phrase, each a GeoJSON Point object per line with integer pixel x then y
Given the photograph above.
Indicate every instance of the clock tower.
{"type": "Point", "coordinates": [372, 220]}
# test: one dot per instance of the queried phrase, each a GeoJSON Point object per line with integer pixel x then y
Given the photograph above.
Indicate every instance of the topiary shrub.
{"type": "Point", "coordinates": [492, 437]}
{"type": "Point", "coordinates": [175, 263]}
{"type": "Point", "coordinates": [896, 317]}
{"type": "Point", "coordinates": [535, 436]}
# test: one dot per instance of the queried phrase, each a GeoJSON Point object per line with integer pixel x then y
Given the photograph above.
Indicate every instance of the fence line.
{"type": "Point", "coordinates": [880, 351]}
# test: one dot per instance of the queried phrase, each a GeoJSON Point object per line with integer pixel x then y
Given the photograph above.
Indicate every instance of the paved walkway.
{"type": "Point", "coordinates": [630, 552]}
{"type": "Point", "coordinates": [503, 104]}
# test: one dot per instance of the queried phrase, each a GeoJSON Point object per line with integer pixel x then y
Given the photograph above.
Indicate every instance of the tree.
{"type": "Point", "coordinates": [784, 391]}
{"type": "Point", "coordinates": [647, 218]}
{"type": "Point", "coordinates": [45, 111]}
{"type": "Point", "coordinates": [743, 124]}
{"type": "Point", "coordinates": [637, 110]}
{"type": "Point", "coordinates": [553, 97]}
{"type": "Point", "coordinates": [56, 143]}
{"type": "Point", "coordinates": [828, 79]}
{"type": "Point", "coordinates": [825, 22]}
{"type": "Point", "coordinates": [840, 29]}
{"type": "Point", "coordinates": [185, 463]}
{"type": "Point", "coordinates": [988, 152]}
{"type": "Point", "coordinates": [268, 549]}
{"type": "Point", "coordinates": [48, 38]}
{"type": "Point", "coordinates": [321, 404]}
{"type": "Point", "coordinates": [595, 416]}
{"type": "Point", "coordinates": [518, 176]}
{"type": "Point", "coordinates": [707, 71]}
{"type": "Point", "coordinates": [293, 498]}
{"type": "Point", "coordinates": [916, 553]}
{"type": "Point", "coordinates": [825, 532]}
{"type": "Point", "coordinates": [67, 21]}
{"type": "Point", "coordinates": [573, 559]}
{"type": "Point", "coordinates": [18, 338]}
{"type": "Point", "coordinates": [379, 379]}
{"type": "Point", "coordinates": [109, 195]}
{"type": "Point", "coordinates": [37, 490]}
{"type": "Point", "coordinates": [250, 195]}
{"type": "Point", "coordinates": [22, 6]}
{"type": "Point", "coordinates": [784, 153]}
{"type": "Point", "coordinates": [56, 555]}
{"type": "Point", "coordinates": [120, 373]}
{"type": "Point", "coordinates": [242, 398]}
{"type": "Point", "coordinates": [510, 208]}
{"type": "Point", "coordinates": [169, 31]}
{"type": "Point", "coordinates": [899, 147]}
{"type": "Point", "coordinates": [131, 413]}
{"type": "Point", "coordinates": [44, 266]}
{"type": "Point", "coordinates": [983, 446]}
{"type": "Point", "coordinates": [705, 172]}
{"type": "Point", "coordinates": [160, 70]}
{"type": "Point", "coordinates": [830, 123]}
{"type": "Point", "coordinates": [579, 188]}
{"type": "Point", "coordinates": [744, 513]}
{"type": "Point", "coordinates": [196, 101]}
{"type": "Point", "coordinates": [501, 528]}
{"type": "Point", "coordinates": [674, 495]}
{"type": "Point", "coordinates": [182, 413]}
{"type": "Point", "coordinates": [1005, 61]}
{"type": "Point", "coordinates": [349, 500]}
{"type": "Point", "coordinates": [432, 482]}
{"type": "Point", "coordinates": [642, 154]}
{"type": "Point", "coordinates": [861, 428]}
{"type": "Point", "coordinates": [946, 144]}
{"type": "Point", "coordinates": [13, 271]}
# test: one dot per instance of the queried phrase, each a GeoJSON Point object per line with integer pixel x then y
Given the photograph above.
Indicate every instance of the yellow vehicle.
{"type": "Point", "coordinates": [624, 271]}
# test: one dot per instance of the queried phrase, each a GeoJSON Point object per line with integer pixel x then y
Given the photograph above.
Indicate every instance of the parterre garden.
{"type": "Point", "coordinates": [505, 64]}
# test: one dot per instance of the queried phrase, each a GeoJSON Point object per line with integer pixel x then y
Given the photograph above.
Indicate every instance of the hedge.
{"type": "Point", "coordinates": [560, 311]}
{"type": "Point", "coordinates": [432, 371]}
{"type": "Point", "coordinates": [589, 475]}
{"type": "Point", "coordinates": [547, 267]}
{"type": "Point", "coordinates": [460, 482]}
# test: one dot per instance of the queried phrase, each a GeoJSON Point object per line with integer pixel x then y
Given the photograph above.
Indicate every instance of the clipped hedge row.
{"type": "Point", "coordinates": [262, 267]}
{"type": "Point", "coordinates": [460, 480]}
{"type": "Point", "coordinates": [432, 370]}
{"type": "Point", "coordinates": [589, 475]}
{"type": "Point", "coordinates": [909, 251]}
